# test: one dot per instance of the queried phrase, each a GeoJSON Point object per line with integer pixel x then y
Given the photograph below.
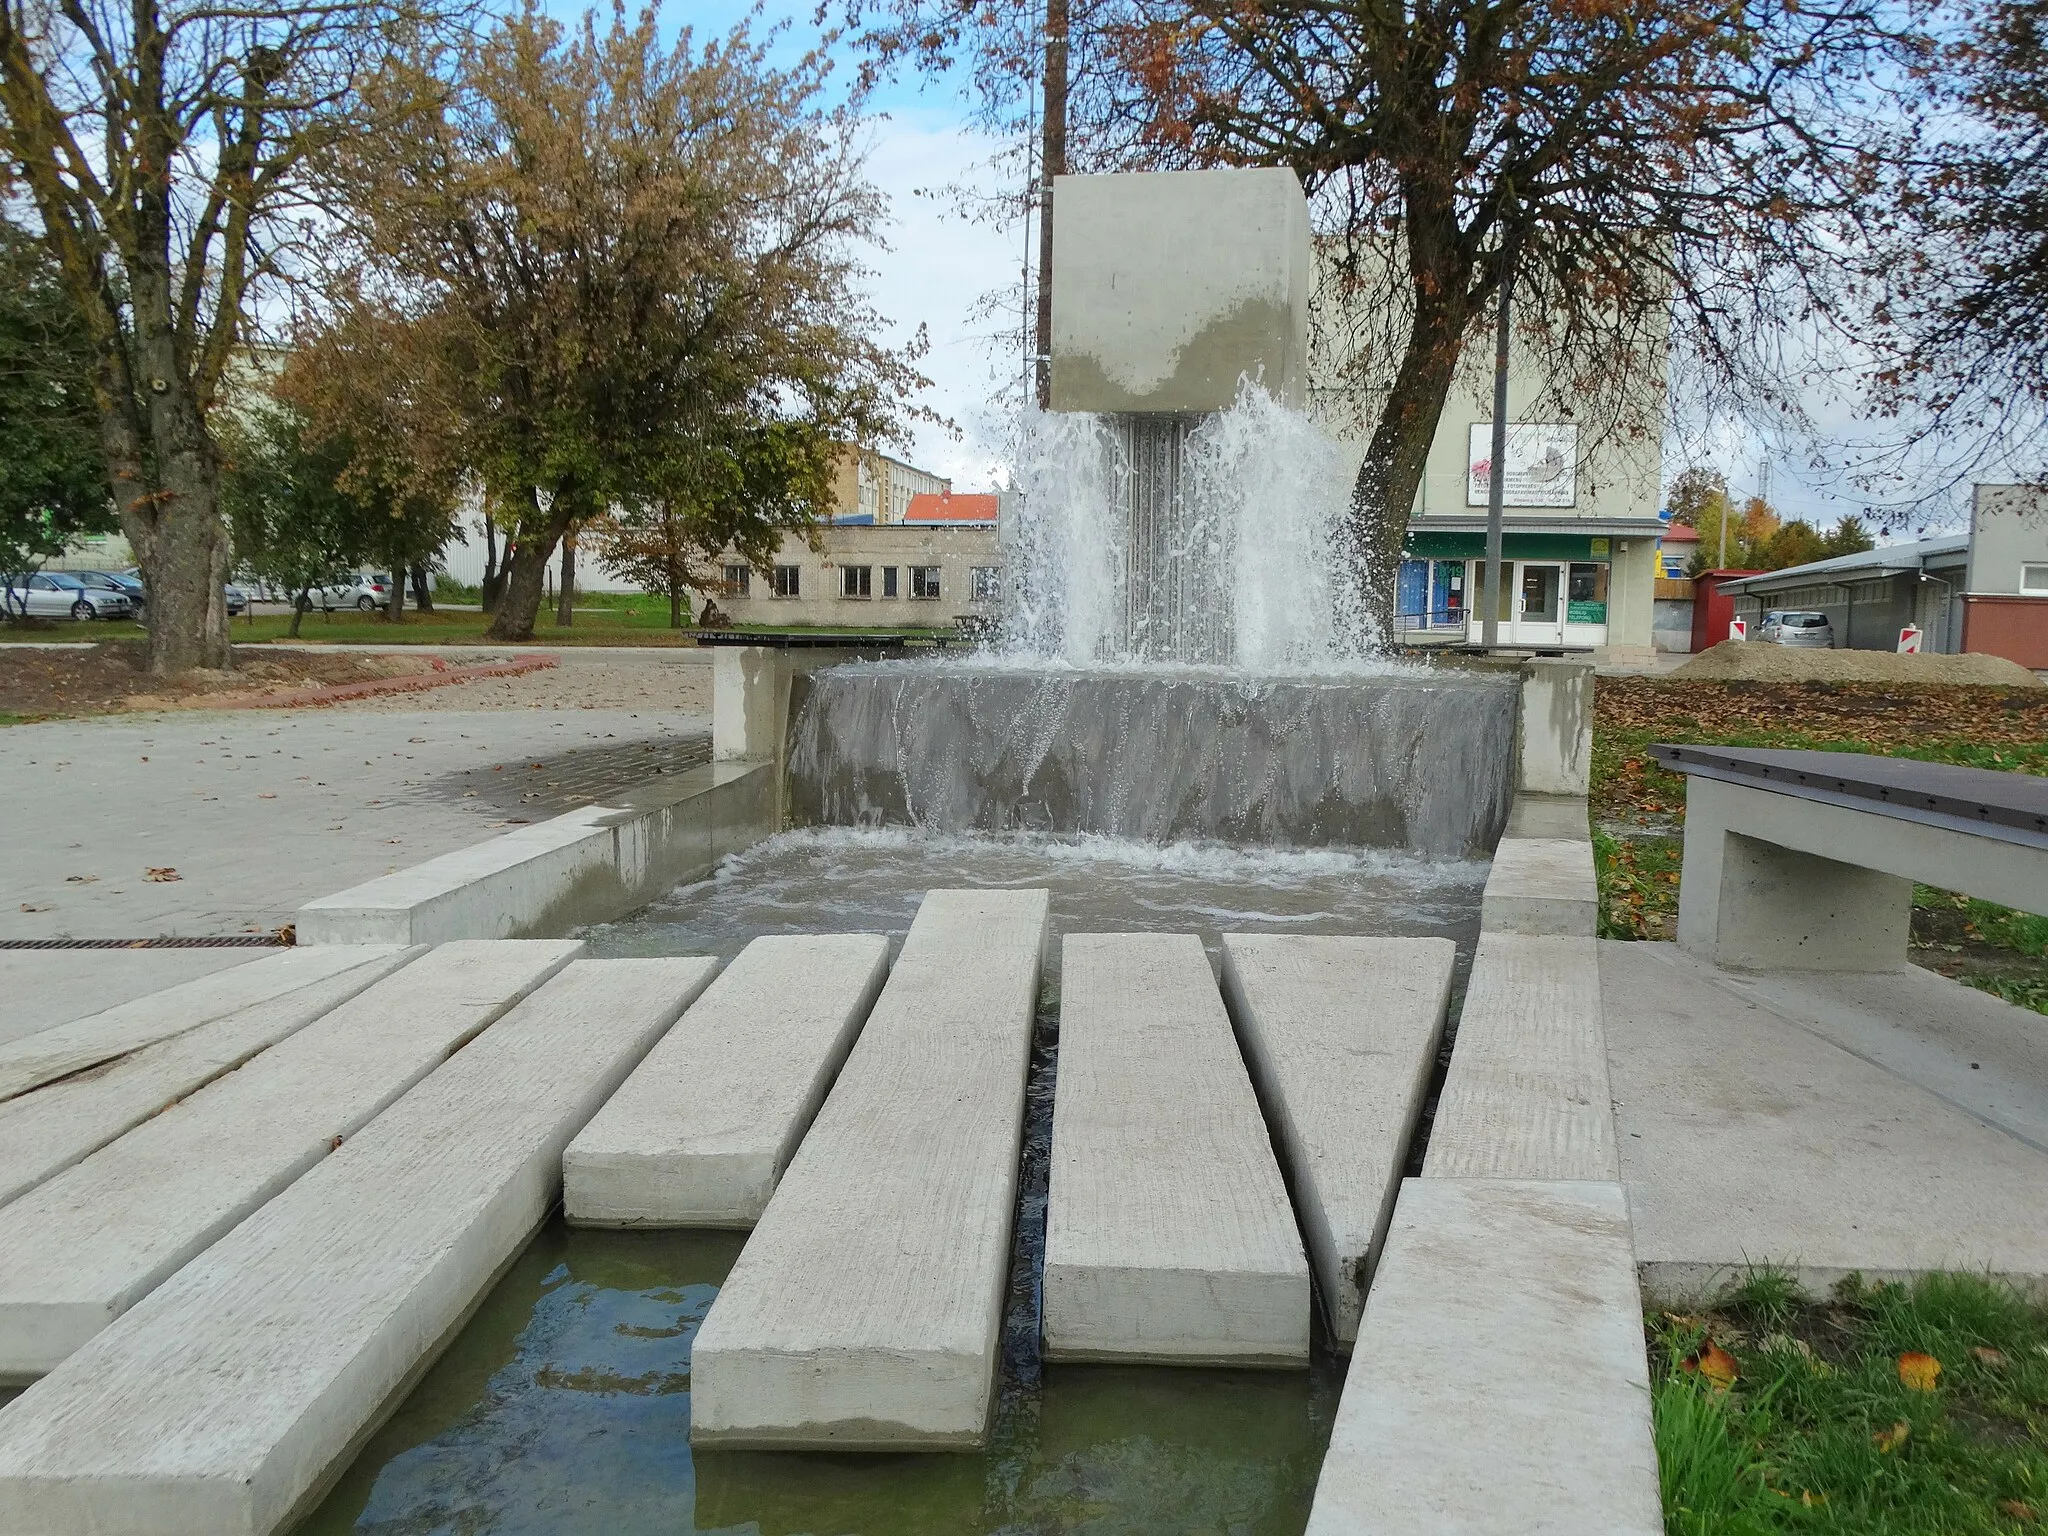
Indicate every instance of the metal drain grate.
{"type": "Point", "coordinates": [228, 941]}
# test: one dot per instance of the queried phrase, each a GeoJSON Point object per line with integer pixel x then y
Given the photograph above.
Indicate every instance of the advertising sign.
{"type": "Point", "coordinates": [1542, 467]}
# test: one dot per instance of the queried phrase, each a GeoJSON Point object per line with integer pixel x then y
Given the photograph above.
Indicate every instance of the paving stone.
{"type": "Point", "coordinates": [703, 1129]}
{"type": "Point", "coordinates": [87, 1245]}
{"type": "Point", "coordinates": [1499, 1386]}
{"type": "Point", "coordinates": [1340, 1035]}
{"type": "Point", "coordinates": [228, 1398]}
{"type": "Point", "coordinates": [865, 1311]}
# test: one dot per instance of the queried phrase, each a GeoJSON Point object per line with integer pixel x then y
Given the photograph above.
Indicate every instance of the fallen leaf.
{"type": "Point", "coordinates": [2017, 1510]}
{"type": "Point", "coordinates": [1991, 1357]}
{"type": "Point", "coordinates": [1785, 1344]}
{"type": "Point", "coordinates": [80, 879]}
{"type": "Point", "coordinates": [1918, 1372]}
{"type": "Point", "coordinates": [162, 875]}
{"type": "Point", "coordinates": [30, 907]}
{"type": "Point", "coordinates": [1715, 1364]}
{"type": "Point", "coordinates": [266, 797]}
{"type": "Point", "coordinates": [1889, 1440]}
{"type": "Point", "coordinates": [1811, 1499]}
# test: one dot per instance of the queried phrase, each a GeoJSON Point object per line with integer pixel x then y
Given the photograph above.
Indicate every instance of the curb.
{"type": "Point", "coordinates": [438, 678]}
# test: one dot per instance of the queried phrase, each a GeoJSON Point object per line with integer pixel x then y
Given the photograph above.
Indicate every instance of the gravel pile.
{"type": "Point", "coordinates": [1753, 661]}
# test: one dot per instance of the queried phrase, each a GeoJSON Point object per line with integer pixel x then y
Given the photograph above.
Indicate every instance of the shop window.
{"type": "Point", "coordinates": [987, 583]}
{"type": "Point", "coordinates": [856, 580]}
{"type": "Point", "coordinates": [2034, 579]}
{"type": "Point", "coordinates": [924, 581]}
{"type": "Point", "coordinates": [788, 581]}
{"type": "Point", "coordinates": [1586, 594]}
{"type": "Point", "coordinates": [739, 580]}
{"type": "Point", "coordinates": [888, 581]}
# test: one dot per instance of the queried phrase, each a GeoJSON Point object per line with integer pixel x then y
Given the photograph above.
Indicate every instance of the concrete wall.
{"type": "Point", "coordinates": [2008, 529]}
{"type": "Point", "coordinates": [1671, 624]}
{"type": "Point", "coordinates": [1170, 285]}
{"type": "Point", "coordinates": [820, 600]}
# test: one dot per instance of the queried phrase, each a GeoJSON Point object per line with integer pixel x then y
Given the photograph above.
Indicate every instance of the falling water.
{"type": "Point", "coordinates": [1206, 539]}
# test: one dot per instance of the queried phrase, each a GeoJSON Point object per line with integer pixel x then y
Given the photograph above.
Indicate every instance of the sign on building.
{"type": "Point", "coordinates": [1542, 467]}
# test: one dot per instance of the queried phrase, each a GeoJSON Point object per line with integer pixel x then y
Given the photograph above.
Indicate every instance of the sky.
{"type": "Point", "coordinates": [938, 264]}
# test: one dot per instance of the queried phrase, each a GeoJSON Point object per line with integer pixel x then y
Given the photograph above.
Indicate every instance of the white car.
{"type": "Point", "coordinates": [367, 591]}
{"type": "Point", "coordinates": [59, 594]}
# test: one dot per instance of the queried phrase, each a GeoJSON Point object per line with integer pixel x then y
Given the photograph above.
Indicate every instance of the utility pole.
{"type": "Point", "coordinates": [1497, 473]}
{"type": "Point", "coordinates": [1052, 161]}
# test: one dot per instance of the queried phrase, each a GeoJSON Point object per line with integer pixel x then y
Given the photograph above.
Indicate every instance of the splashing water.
{"type": "Point", "coordinates": [1204, 539]}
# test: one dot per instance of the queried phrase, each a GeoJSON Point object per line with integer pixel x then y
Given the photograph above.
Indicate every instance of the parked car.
{"type": "Point", "coordinates": [114, 581]}
{"type": "Point", "coordinates": [58, 594]}
{"type": "Point", "coordinates": [1797, 627]}
{"type": "Point", "coordinates": [368, 591]}
{"type": "Point", "coordinates": [236, 597]}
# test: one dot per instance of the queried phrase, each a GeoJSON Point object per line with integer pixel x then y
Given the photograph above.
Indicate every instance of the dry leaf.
{"type": "Point", "coordinates": [1785, 1344]}
{"type": "Point", "coordinates": [1889, 1440]}
{"type": "Point", "coordinates": [80, 879]}
{"type": "Point", "coordinates": [1811, 1499]}
{"type": "Point", "coordinates": [1715, 1364]}
{"type": "Point", "coordinates": [1991, 1357]}
{"type": "Point", "coordinates": [162, 875]}
{"type": "Point", "coordinates": [31, 907]}
{"type": "Point", "coordinates": [2017, 1510]}
{"type": "Point", "coordinates": [1918, 1372]}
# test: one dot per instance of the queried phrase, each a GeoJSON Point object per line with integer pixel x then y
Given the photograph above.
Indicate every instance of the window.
{"type": "Point", "coordinates": [739, 580]}
{"type": "Point", "coordinates": [856, 580]}
{"type": "Point", "coordinates": [924, 581]}
{"type": "Point", "coordinates": [788, 581]}
{"type": "Point", "coordinates": [987, 583]}
{"type": "Point", "coordinates": [888, 581]}
{"type": "Point", "coordinates": [2034, 579]}
{"type": "Point", "coordinates": [1586, 594]}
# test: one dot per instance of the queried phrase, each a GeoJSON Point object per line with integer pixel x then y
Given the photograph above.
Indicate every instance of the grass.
{"type": "Point", "coordinates": [1819, 1430]}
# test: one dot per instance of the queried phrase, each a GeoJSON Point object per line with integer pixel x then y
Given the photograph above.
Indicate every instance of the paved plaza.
{"type": "Point", "coordinates": [258, 811]}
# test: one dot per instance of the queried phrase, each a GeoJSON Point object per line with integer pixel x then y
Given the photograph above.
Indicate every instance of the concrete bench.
{"type": "Point", "coordinates": [87, 1245]}
{"type": "Point", "coordinates": [1499, 1385]}
{"type": "Point", "coordinates": [1806, 860]}
{"type": "Point", "coordinates": [703, 1129]}
{"type": "Point", "coordinates": [1340, 1035]}
{"type": "Point", "coordinates": [63, 1049]}
{"type": "Point", "coordinates": [865, 1310]}
{"type": "Point", "coordinates": [1168, 1235]}
{"type": "Point", "coordinates": [228, 1399]}
{"type": "Point", "coordinates": [44, 1132]}
{"type": "Point", "coordinates": [1526, 1095]}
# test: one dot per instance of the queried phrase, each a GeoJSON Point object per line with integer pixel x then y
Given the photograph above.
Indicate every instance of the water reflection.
{"type": "Point", "coordinates": [564, 1408]}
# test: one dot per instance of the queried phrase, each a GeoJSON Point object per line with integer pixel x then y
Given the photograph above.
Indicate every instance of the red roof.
{"type": "Point", "coordinates": [931, 507]}
{"type": "Point", "coordinates": [1678, 533]}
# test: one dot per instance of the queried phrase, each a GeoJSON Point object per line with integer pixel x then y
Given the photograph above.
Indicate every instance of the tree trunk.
{"type": "Point", "coordinates": [1383, 496]}
{"type": "Point", "coordinates": [422, 589]}
{"type": "Point", "coordinates": [565, 610]}
{"type": "Point", "coordinates": [394, 605]}
{"type": "Point", "coordinates": [494, 574]}
{"type": "Point", "coordinates": [526, 568]}
{"type": "Point", "coordinates": [675, 595]}
{"type": "Point", "coordinates": [1052, 162]}
{"type": "Point", "coordinates": [299, 606]}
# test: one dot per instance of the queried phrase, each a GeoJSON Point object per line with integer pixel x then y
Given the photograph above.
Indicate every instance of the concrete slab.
{"type": "Point", "coordinates": [229, 1398]}
{"type": "Point", "coordinates": [1499, 1387]}
{"type": "Point", "coordinates": [1168, 1236]}
{"type": "Point", "coordinates": [87, 1245]}
{"type": "Point", "coordinates": [585, 866]}
{"type": "Point", "coordinates": [1526, 1096]}
{"type": "Point", "coordinates": [1745, 1137]}
{"type": "Point", "coordinates": [1541, 885]}
{"type": "Point", "coordinates": [1340, 1035]}
{"type": "Point", "coordinates": [44, 1132]}
{"type": "Point", "coordinates": [1549, 816]}
{"type": "Point", "coordinates": [866, 1309]}
{"type": "Point", "coordinates": [63, 1049]}
{"type": "Point", "coordinates": [41, 987]}
{"type": "Point", "coordinates": [703, 1129]}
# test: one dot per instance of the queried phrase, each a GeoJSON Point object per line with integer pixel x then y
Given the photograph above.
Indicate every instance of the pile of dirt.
{"type": "Point", "coordinates": [91, 679]}
{"type": "Point", "coordinates": [1753, 661]}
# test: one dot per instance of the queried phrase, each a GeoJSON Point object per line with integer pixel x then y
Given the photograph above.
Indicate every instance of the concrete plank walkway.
{"type": "Point", "coordinates": [1340, 1035]}
{"type": "Point", "coordinates": [1526, 1096]}
{"type": "Point", "coordinates": [42, 987]}
{"type": "Point", "coordinates": [865, 1310]}
{"type": "Point", "coordinates": [701, 1132]}
{"type": "Point", "coordinates": [86, 1246]}
{"type": "Point", "coordinates": [227, 1400]}
{"type": "Point", "coordinates": [1168, 1235]}
{"type": "Point", "coordinates": [1747, 1137]}
{"type": "Point", "coordinates": [44, 1132]}
{"type": "Point", "coordinates": [1499, 1385]}
{"type": "Point", "coordinates": [63, 1049]}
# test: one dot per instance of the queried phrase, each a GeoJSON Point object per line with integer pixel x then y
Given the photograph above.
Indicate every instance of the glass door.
{"type": "Point", "coordinates": [1539, 605]}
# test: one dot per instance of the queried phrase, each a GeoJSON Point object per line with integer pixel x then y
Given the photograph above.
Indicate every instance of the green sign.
{"type": "Point", "coordinates": [1585, 613]}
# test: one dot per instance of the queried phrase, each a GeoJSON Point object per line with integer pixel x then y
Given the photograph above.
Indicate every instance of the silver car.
{"type": "Point", "coordinates": [59, 594]}
{"type": "Point", "coordinates": [1800, 627]}
{"type": "Point", "coordinates": [366, 591]}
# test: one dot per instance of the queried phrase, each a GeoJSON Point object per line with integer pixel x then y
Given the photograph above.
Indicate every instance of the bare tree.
{"type": "Point", "coordinates": [162, 144]}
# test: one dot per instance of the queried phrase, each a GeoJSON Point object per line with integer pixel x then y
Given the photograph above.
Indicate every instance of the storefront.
{"type": "Point", "coordinates": [1554, 587]}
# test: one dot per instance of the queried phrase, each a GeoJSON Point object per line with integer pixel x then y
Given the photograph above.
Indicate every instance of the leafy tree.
{"type": "Point", "coordinates": [1695, 493]}
{"type": "Point", "coordinates": [162, 146]}
{"type": "Point", "coordinates": [293, 524]}
{"type": "Point", "coordinates": [53, 480]}
{"type": "Point", "coordinates": [1848, 537]}
{"type": "Point", "coordinates": [1793, 543]}
{"type": "Point", "coordinates": [586, 245]}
